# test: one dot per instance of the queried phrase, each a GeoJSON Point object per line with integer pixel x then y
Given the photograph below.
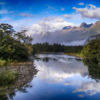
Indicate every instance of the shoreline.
{"type": "Point", "coordinates": [74, 54]}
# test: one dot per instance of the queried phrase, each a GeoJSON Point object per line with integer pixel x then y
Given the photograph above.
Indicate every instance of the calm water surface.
{"type": "Point", "coordinates": [59, 77]}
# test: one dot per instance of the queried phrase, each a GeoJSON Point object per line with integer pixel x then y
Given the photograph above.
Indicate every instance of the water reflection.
{"type": "Point", "coordinates": [59, 67]}
{"type": "Point", "coordinates": [70, 71]}
{"type": "Point", "coordinates": [25, 75]}
{"type": "Point", "coordinates": [91, 87]}
{"type": "Point", "coordinates": [59, 77]}
{"type": "Point", "coordinates": [93, 67]}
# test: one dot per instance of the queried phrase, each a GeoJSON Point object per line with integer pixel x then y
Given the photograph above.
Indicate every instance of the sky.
{"type": "Point", "coordinates": [42, 15]}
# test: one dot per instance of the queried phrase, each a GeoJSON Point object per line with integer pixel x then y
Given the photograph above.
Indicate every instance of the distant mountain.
{"type": "Point", "coordinates": [71, 35]}
{"type": "Point", "coordinates": [67, 27]}
{"type": "Point", "coordinates": [95, 27]}
{"type": "Point", "coordinates": [85, 25]}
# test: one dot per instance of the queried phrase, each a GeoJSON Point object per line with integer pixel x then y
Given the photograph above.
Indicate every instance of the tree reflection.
{"type": "Point", "coordinates": [93, 67]}
{"type": "Point", "coordinates": [25, 75]}
{"type": "Point", "coordinates": [45, 59]}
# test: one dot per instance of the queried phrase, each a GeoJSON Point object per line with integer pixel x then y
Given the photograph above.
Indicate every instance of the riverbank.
{"type": "Point", "coordinates": [75, 54]}
{"type": "Point", "coordinates": [13, 63]}
{"type": "Point", "coordinates": [14, 78]}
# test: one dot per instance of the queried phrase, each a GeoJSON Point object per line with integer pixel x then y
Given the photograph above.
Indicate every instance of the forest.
{"type": "Point", "coordinates": [14, 46]}
{"type": "Point", "coordinates": [46, 47]}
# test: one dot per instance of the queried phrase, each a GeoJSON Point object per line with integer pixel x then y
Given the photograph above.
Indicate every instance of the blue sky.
{"type": "Point", "coordinates": [27, 12]}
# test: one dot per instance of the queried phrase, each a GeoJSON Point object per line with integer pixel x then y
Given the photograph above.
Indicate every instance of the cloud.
{"type": "Point", "coordinates": [49, 24]}
{"type": "Point", "coordinates": [4, 11]}
{"type": "Point", "coordinates": [92, 6]}
{"type": "Point", "coordinates": [73, 43]}
{"type": "Point", "coordinates": [26, 15]}
{"type": "Point", "coordinates": [91, 11]}
{"type": "Point", "coordinates": [73, 17]}
{"type": "Point", "coordinates": [81, 4]}
{"type": "Point", "coordinates": [21, 23]}
{"type": "Point", "coordinates": [52, 8]}
{"type": "Point", "coordinates": [18, 24]}
{"type": "Point", "coordinates": [67, 16]}
{"type": "Point", "coordinates": [4, 19]}
{"type": "Point", "coordinates": [90, 88]}
{"type": "Point", "coordinates": [59, 70]}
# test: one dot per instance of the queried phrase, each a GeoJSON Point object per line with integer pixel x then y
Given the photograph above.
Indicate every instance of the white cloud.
{"type": "Point", "coordinates": [19, 24]}
{"type": "Point", "coordinates": [92, 6]}
{"type": "Point", "coordinates": [60, 70]}
{"type": "Point", "coordinates": [90, 88]}
{"type": "Point", "coordinates": [26, 15]}
{"type": "Point", "coordinates": [4, 19]}
{"type": "Point", "coordinates": [52, 8]}
{"type": "Point", "coordinates": [4, 11]}
{"type": "Point", "coordinates": [73, 16]}
{"type": "Point", "coordinates": [67, 16]}
{"type": "Point", "coordinates": [49, 24]}
{"type": "Point", "coordinates": [73, 43]}
{"type": "Point", "coordinates": [81, 4]}
{"type": "Point", "coordinates": [90, 11]}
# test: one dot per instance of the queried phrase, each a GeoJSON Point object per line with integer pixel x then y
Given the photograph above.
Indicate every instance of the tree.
{"type": "Point", "coordinates": [23, 37]}
{"type": "Point", "coordinates": [92, 51]}
{"type": "Point", "coordinates": [13, 45]}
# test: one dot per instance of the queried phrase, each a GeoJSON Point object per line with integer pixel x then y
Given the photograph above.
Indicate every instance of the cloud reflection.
{"type": "Point", "coordinates": [61, 69]}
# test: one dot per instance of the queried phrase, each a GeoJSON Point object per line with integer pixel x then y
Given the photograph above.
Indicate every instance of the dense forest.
{"type": "Point", "coordinates": [46, 47]}
{"type": "Point", "coordinates": [92, 51]}
{"type": "Point", "coordinates": [14, 46]}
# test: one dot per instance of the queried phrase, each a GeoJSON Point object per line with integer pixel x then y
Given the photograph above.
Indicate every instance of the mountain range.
{"type": "Point", "coordinates": [71, 35]}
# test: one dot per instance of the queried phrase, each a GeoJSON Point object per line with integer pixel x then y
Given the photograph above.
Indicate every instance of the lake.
{"type": "Point", "coordinates": [54, 77]}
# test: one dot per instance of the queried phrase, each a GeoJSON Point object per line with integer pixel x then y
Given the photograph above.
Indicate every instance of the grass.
{"type": "Point", "coordinates": [10, 62]}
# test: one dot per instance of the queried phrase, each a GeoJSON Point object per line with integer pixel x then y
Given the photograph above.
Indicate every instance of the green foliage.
{"type": "Point", "coordinates": [30, 49]}
{"type": "Point", "coordinates": [93, 68]}
{"type": "Point", "coordinates": [22, 37]}
{"type": "Point", "coordinates": [73, 49]}
{"type": "Point", "coordinates": [2, 62]}
{"type": "Point", "coordinates": [14, 46]}
{"type": "Point", "coordinates": [91, 55]}
{"type": "Point", "coordinates": [45, 47]}
{"type": "Point", "coordinates": [92, 51]}
{"type": "Point", "coordinates": [7, 77]}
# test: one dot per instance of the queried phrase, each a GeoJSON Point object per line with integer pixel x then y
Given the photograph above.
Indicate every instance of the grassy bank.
{"type": "Point", "coordinates": [14, 63]}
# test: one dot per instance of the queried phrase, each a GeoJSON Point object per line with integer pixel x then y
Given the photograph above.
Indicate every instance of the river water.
{"type": "Point", "coordinates": [58, 77]}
